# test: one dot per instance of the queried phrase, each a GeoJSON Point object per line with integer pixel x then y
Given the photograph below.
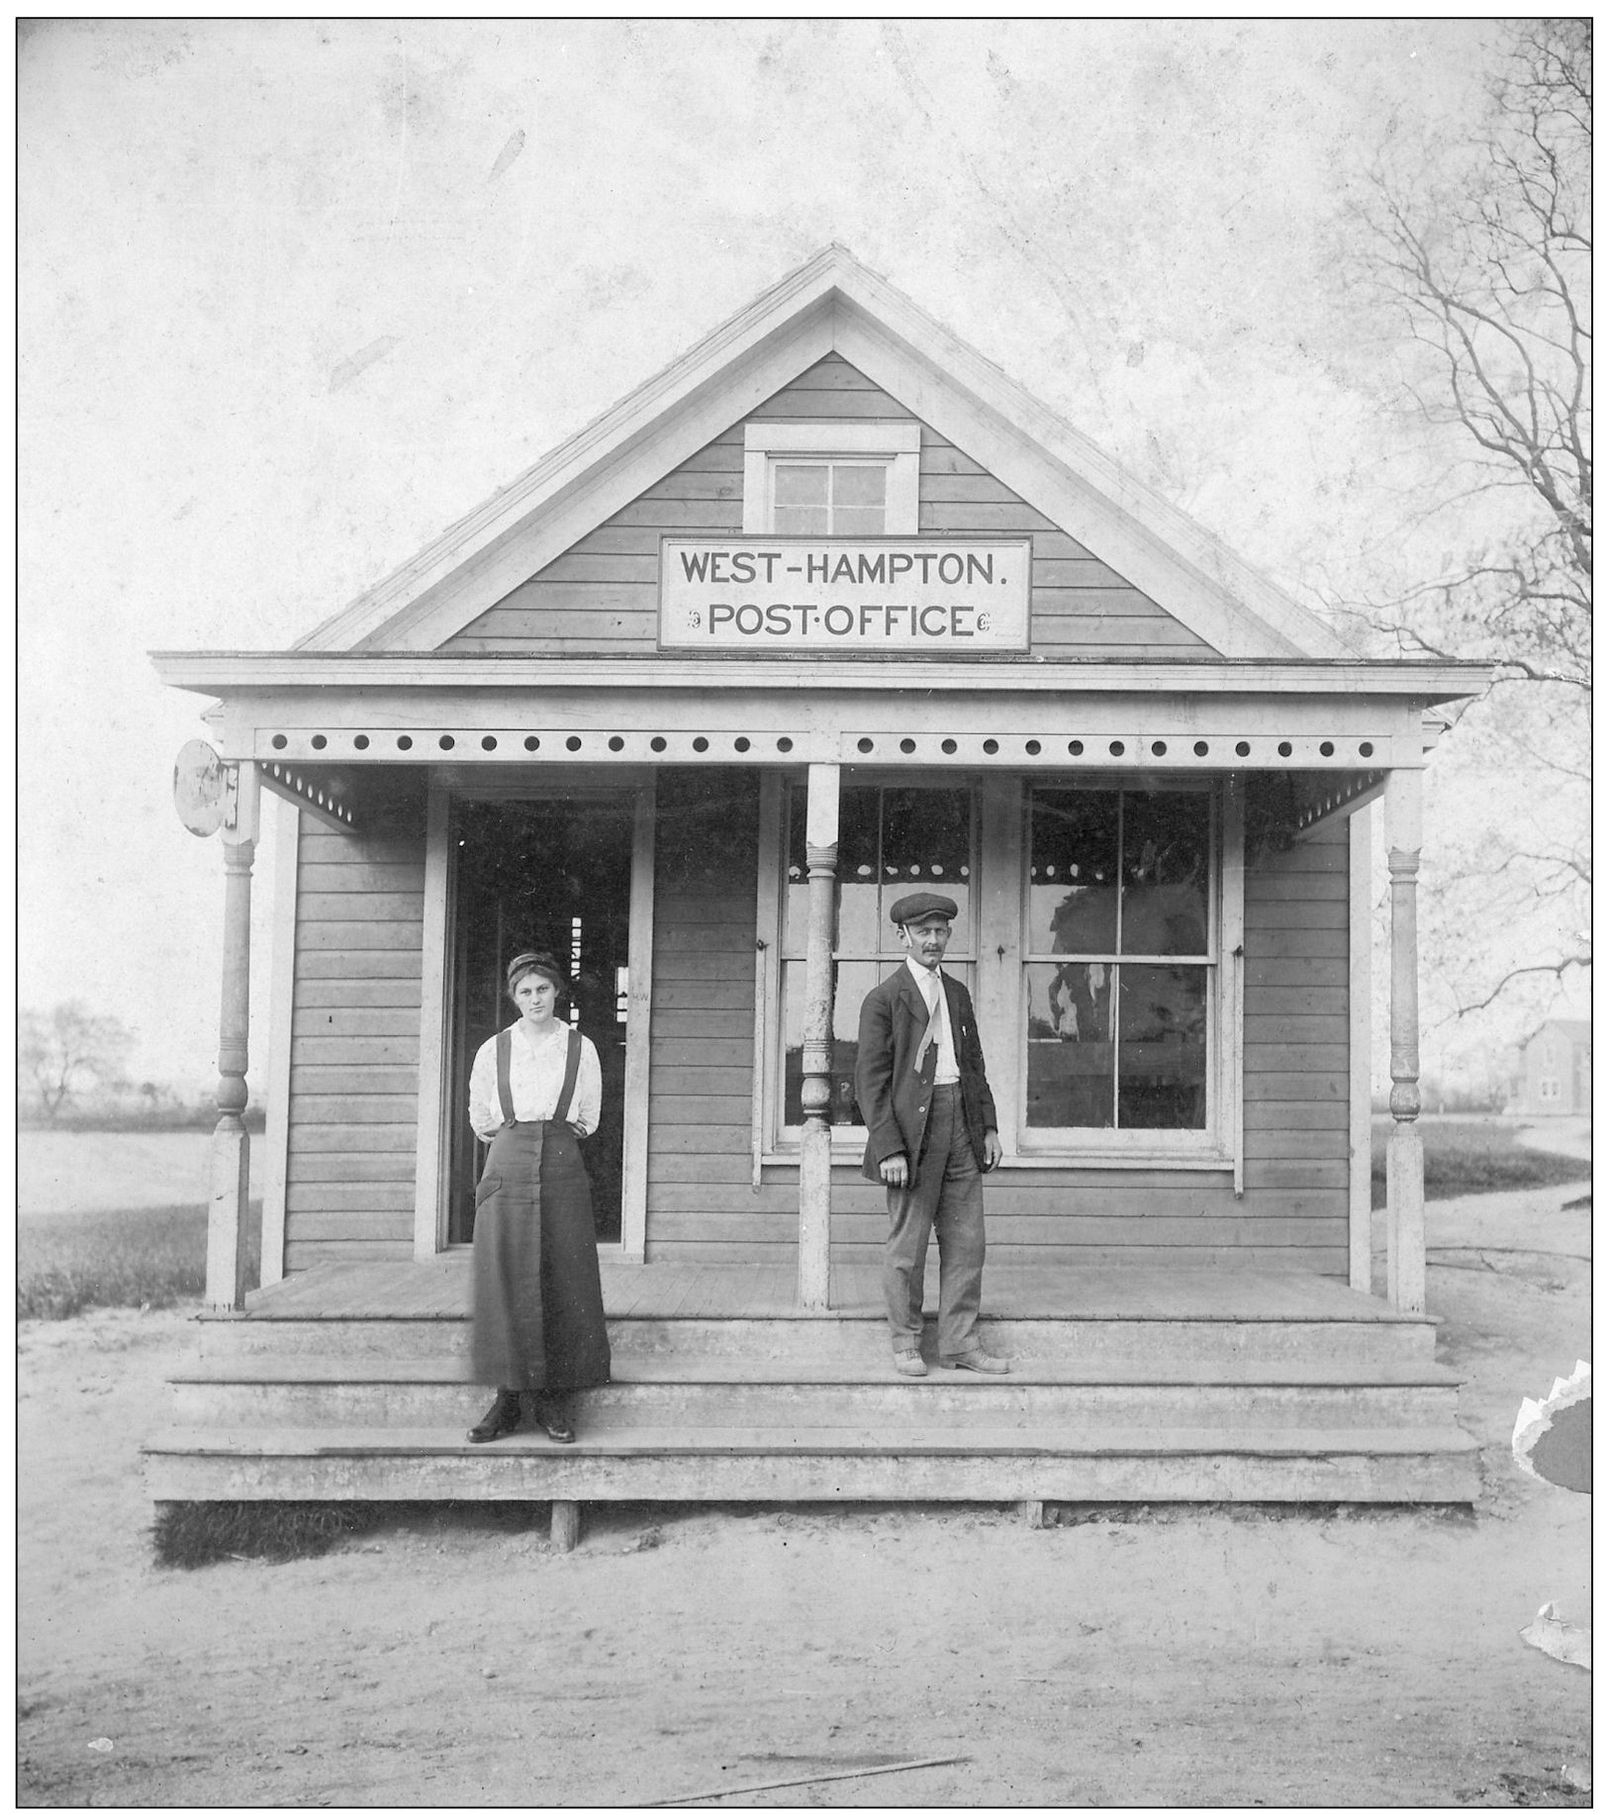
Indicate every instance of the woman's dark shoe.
{"type": "Point", "coordinates": [501, 1417]}
{"type": "Point", "coordinates": [552, 1420]}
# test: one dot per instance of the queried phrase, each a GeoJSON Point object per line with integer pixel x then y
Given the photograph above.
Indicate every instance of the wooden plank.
{"type": "Point", "coordinates": [678, 993]}
{"type": "Point", "coordinates": [988, 519]}
{"type": "Point", "coordinates": [720, 936]}
{"type": "Point", "coordinates": [316, 1022]}
{"type": "Point", "coordinates": [1288, 916]}
{"type": "Point", "coordinates": [371, 879]}
{"type": "Point", "coordinates": [698, 1138]}
{"type": "Point", "coordinates": [357, 993]}
{"type": "Point", "coordinates": [340, 1111]}
{"type": "Point", "coordinates": [675, 1024]}
{"type": "Point", "coordinates": [1293, 973]}
{"type": "Point", "coordinates": [381, 1050]}
{"type": "Point", "coordinates": [1301, 1118]}
{"type": "Point", "coordinates": [348, 1226]}
{"type": "Point", "coordinates": [1296, 886]}
{"type": "Point", "coordinates": [346, 1167]}
{"type": "Point", "coordinates": [828, 404]}
{"type": "Point", "coordinates": [706, 1055]}
{"type": "Point", "coordinates": [585, 567]}
{"type": "Point", "coordinates": [399, 908]}
{"type": "Point", "coordinates": [711, 1168]}
{"type": "Point", "coordinates": [711, 908]}
{"type": "Point", "coordinates": [671, 1109]}
{"type": "Point", "coordinates": [1291, 1143]}
{"type": "Point", "coordinates": [331, 942]}
{"type": "Point", "coordinates": [1053, 604]}
{"type": "Point", "coordinates": [1331, 1060]}
{"type": "Point", "coordinates": [353, 1137]}
{"type": "Point", "coordinates": [1296, 1030]}
{"type": "Point", "coordinates": [687, 484]}
{"type": "Point", "coordinates": [1295, 1173]}
{"type": "Point", "coordinates": [357, 966]}
{"type": "Point", "coordinates": [1278, 1087]}
{"type": "Point", "coordinates": [300, 1256]}
{"type": "Point", "coordinates": [1143, 1233]}
{"type": "Point", "coordinates": [398, 1196]}
{"type": "Point", "coordinates": [1292, 944]}
{"type": "Point", "coordinates": [720, 967]}
{"type": "Point", "coordinates": [328, 856]}
{"type": "Point", "coordinates": [357, 1080]}
{"type": "Point", "coordinates": [715, 517]}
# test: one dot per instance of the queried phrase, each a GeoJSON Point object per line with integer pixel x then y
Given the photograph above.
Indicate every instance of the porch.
{"type": "Point", "coordinates": [1131, 1382]}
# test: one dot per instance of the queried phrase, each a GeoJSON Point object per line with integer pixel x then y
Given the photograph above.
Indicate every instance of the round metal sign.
{"type": "Point", "coordinates": [201, 788]}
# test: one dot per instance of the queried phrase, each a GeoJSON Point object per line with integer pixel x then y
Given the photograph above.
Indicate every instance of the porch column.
{"type": "Point", "coordinates": [227, 1207]}
{"type": "Point", "coordinates": [1403, 836]}
{"type": "Point", "coordinates": [823, 836]}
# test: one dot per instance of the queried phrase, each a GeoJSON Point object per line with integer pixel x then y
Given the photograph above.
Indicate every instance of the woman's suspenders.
{"type": "Point", "coordinates": [568, 1087]}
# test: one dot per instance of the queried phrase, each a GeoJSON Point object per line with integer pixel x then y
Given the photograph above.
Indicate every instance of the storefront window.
{"type": "Point", "coordinates": [1117, 958]}
{"type": "Point", "coordinates": [893, 840]}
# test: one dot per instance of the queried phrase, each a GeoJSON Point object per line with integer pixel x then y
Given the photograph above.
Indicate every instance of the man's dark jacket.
{"type": "Point", "coordinates": [894, 1098]}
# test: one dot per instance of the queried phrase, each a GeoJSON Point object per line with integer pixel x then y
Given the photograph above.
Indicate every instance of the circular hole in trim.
{"type": "Point", "coordinates": [742, 744]}
{"type": "Point", "coordinates": [529, 743]}
{"type": "Point", "coordinates": [949, 746]}
{"type": "Point", "coordinates": [658, 744]}
{"type": "Point", "coordinates": [1033, 747]}
{"type": "Point", "coordinates": [574, 743]}
{"type": "Point", "coordinates": [279, 740]}
{"type": "Point", "coordinates": [318, 740]}
{"type": "Point", "coordinates": [1075, 746]}
{"type": "Point", "coordinates": [701, 744]}
{"type": "Point", "coordinates": [784, 744]}
{"type": "Point", "coordinates": [1157, 747]}
{"type": "Point", "coordinates": [1326, 749]}
{"type": "Point", "coordinates": [1118, 748]}
{"type": "Point", "coordinates": [1365, 749]}
{"type": "Point", "coordinates": [613, 743]}
{"type": "Point", "coordinates": [445, 742]}
{"type": "Point", "coordinates": [361, 742]}
{"type": "Point", "coordinates": [1241, 749]}
{"type": "Point", "coordinates": [406, 743]}
{"type": "Point", "coordinates": [1202, 748]}
{"type": "Point", "coordinates": [907, 746]}
{"type": "Point", "coordinates": [990, 746]}
{"type": "Point", "coordinates": [865, 745]}
{"type": "Point", "coordinates": [1286, 749]}
{"type": "Point", "coordinates": [490, 743]}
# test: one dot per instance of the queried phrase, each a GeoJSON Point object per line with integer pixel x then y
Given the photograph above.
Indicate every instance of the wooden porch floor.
{"type": "Point", "coordinates": [440, 1289]}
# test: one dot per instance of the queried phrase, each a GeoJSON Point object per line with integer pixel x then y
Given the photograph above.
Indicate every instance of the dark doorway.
{"type": "Point", "coordinates": [542, 875]}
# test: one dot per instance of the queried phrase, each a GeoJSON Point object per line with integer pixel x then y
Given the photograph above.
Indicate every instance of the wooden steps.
{"type": "Point", "coordinates": [1140, 1390]}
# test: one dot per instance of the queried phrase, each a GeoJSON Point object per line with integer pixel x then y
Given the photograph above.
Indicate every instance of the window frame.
{"type": "Point", "coordinates": [893, 443]}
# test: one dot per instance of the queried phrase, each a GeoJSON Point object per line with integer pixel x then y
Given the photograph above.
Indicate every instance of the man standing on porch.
{"type": "Point", "coordinates": [921, 1085]}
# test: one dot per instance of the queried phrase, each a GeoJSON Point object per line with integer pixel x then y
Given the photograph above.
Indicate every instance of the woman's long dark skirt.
{"type": "Point", "coordinates": [538, 1318]}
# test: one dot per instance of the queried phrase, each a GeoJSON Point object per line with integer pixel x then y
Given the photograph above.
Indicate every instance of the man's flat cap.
{"type": "Point", "coordinates": [921, 906]}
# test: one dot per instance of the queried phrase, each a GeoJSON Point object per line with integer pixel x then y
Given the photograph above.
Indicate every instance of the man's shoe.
{"type": "Point", "coordinates": [977, 1361]}
{"type": "Point", "coordinates": [552, 1421]}
{"type": "Point", "coordinates": [910, 1362]}
{"type": "Point", "coordinates": [502, 1416]}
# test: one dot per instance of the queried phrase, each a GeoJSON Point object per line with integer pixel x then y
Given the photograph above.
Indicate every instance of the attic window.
{"type": "Point", "coordinates": [850, 479]}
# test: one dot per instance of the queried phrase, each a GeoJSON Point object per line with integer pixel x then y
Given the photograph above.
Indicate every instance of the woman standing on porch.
{"type": "Point", "coordinates": [538, 1325]}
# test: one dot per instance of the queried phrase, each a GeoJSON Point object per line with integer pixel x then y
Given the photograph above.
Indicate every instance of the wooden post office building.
{"type": "Point", "coordinates": [827, 611]}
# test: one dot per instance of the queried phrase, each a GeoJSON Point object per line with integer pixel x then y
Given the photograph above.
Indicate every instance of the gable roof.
{"type": "Point", "coordinates": [833, 303]}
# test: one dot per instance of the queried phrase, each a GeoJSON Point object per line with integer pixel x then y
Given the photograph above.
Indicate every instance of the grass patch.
{"type": "Point", "coordinates": [192, 1534]}
{"type": "Point", "coordinates": [1463, 1158]}
{"type": "Point", "coordinates": [143, 1259]}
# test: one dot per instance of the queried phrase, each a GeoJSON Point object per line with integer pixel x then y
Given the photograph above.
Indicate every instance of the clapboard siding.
{"type": "Point", "coordinates": [600, 595]}
{"type": "Point", "coordinates": [355, 1049]}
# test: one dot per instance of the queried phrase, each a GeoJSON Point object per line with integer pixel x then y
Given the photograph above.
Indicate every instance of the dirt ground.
{"type": "Point", "coordinates": [1176, 1657]}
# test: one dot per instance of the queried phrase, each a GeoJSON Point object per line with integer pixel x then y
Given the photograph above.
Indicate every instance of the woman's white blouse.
{"type": "Point", "coordinates": [537, 1071]}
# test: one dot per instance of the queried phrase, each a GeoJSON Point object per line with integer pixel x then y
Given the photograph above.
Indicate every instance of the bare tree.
{"type": "Point", "coordinates": [71, 1049]}
{"type": "Point", "coordinates": [1485, 272]}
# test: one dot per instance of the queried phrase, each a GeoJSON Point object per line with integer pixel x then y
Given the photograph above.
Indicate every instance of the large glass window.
{"type": "Point", "coordinates": [1117, 958]}
{"type": "Point", "coordinates": [893, 841]}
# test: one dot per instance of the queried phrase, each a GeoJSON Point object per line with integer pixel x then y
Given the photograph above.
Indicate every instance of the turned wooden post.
{"type": "Point", "coordinates": [227, 1206]}
{"type": "Point", "coordinates": [1403, 837]}
{"type": "Point", "coordinates": [823, 836]}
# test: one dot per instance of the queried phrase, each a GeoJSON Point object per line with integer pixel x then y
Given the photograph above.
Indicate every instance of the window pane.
{"type": "Point", "coordinates": [852, 983]}
{"type": "Point", "coordinates": [1075, 839]}
{"type": "Point", "coordinates": [1070, 1055]}
{"type": "Point", "coordinates": [1165, 859]}
{"type": "Point", "coordinates": [860, 485]}
{"type": "Point", "coordinates": [925, 844]}
{"type": "Point", "coordinates": [1162, 1026]}
{"type": "Point", "coordinates": [796, 486]}
{"type": "Point", "coordinates": [857, 863]}
{"type": "Point", "coordinates": [800, 522]}
{"type": "Point", "coordinates": [859, 522]}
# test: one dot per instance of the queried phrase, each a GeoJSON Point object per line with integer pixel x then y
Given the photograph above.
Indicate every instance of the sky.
{"type": "Point", "coordinates": [295, 295]}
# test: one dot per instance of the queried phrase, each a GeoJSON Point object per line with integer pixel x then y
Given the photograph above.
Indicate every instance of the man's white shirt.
{"type": "Point", "coordinates": [930, 989]}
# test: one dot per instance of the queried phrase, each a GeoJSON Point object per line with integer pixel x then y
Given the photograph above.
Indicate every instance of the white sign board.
{"type": "Point", "coordinates": [781, 595]}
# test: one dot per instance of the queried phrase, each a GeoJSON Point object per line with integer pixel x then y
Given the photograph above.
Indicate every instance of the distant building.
{"type": "Point", "coordinates": [1553, 1071]}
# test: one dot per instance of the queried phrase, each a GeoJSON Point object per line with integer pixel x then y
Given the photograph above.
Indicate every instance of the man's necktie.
{"type": "Point", "coordinates": [932, 1028]}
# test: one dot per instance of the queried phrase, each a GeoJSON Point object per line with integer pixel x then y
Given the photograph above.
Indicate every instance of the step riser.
{"type": "Point", "coordinates": [830, 1340]}
{"type": "Point", "coordinates": [934, 1402]}
{"type": "Point", "coordinates": [505, 1473]}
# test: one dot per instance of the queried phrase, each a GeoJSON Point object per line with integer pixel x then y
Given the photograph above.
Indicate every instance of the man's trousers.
{"type": "Point", "coordinates": [945, 1196]}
